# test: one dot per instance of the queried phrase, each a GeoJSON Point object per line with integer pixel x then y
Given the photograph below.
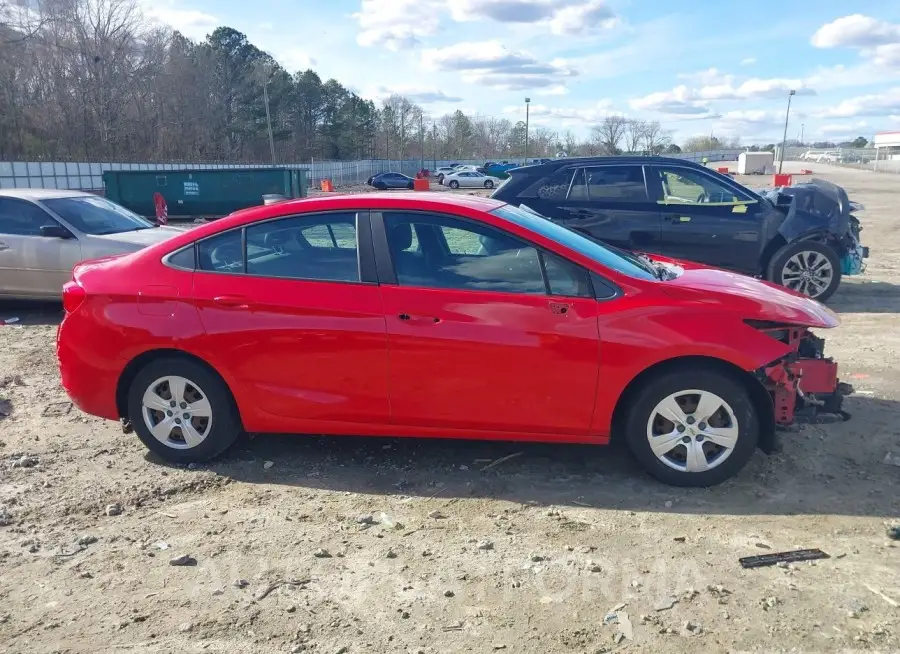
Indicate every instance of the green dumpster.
{"type": "Point", "coordinates": [202, 192]}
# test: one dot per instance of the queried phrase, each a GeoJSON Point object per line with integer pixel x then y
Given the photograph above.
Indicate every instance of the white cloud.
{"type": "Point", "coordinates": [876, 104]}
{"type": "Point", "coordinates": [844, 128]}
{"type": "Point", "coordinates": [748, 61]}
{"type": "Point", "coordinates": [193, 23]}
{"type": "Point", "coordinates": [565, 116]}
{"type": "Point", "coordinates": [422, 95]}
{"type": "Point", "coordinates": [856, 31]}
{"type": "Point", "coordinates": [396, 24]}
{"type": "Point", "coordinates": [491, 64]}
{"type": "Point", "coordinates": [714, 86]}
{"type": "Point", "coordinates": [877, 40]}
{"type": "Point", "coordinates": [563, 17]}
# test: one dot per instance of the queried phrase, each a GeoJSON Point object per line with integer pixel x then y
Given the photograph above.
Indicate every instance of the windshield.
{"type": "Point", "coordinates": [615, 259]}
{"type": "Point", "coordinates": [97, 216]}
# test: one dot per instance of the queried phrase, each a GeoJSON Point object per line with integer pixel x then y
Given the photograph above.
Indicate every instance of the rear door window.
{"type": "Point", "coordinates": [610, 184]}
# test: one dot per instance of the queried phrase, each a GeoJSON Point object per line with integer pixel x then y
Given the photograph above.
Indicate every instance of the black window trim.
{"type": "Point", "coordinates": [387, 275]}
{"type": "Point", "coordinates": [365, 258]}
{"type": "Point", "coordinates": [584, 168]}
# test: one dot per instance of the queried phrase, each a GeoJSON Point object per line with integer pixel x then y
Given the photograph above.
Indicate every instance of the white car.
{"type": "Point", "coordinates": [44, 233]}
{"type": "Point", "coordinates": [470, 179]}
{"type": "Point", "coordinates": [440, 172]}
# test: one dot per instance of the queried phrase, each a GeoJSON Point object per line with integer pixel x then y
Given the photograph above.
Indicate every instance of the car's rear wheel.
{"type": "Point", "coordinates": [440, 178]}
{"type": "Point", "coordinates": [454, 184]}
{"type": "Point", "coordinates": [809, 267]}
{"type": "Point", "coordinates": [692, 427]}
{"type": "Point", "coordinates": [410, 186]}
{"type": "Point", "coordinates": [489, 184]}
{"type": "Point", "coordinates": [182, 411]}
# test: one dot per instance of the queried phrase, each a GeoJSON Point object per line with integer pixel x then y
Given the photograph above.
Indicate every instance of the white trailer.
{"type": "Point", "coordinates": [755, 163]}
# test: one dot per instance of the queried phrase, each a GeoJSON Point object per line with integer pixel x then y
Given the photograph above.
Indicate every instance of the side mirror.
{"type": "Point", "coordinates": [55, 231]}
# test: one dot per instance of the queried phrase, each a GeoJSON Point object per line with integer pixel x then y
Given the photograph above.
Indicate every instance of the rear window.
{"type": "Point", "coordinates": [552, 187]}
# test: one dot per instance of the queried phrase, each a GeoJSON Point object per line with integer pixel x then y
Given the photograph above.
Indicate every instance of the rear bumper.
{"type": "Point", "coordinates": [90, 384]}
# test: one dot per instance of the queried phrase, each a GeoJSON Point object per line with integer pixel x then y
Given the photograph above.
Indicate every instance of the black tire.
{"type": "Point", "coordinates": [489, 184]}
{"type": "Point", "coordinates": [226, 423]}
{"type": "Point", "coordinates": [454, 184]}
{"type": "Point", "coordinates": [410, 186]}
{"type": "Point", "coordinates": [440, 179]}
{"type": "Point", "coordinates": [777, 267]}
{"type": "Point", "coordinates": [725, 386]}
{"type": "Point", "coordinates": [381, 186]}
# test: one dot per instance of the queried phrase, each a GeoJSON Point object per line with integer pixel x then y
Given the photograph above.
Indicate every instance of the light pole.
{"type": "Point", "coordinates": [787, 115]}
{"type": "Point", "coordinates": [527, 103]}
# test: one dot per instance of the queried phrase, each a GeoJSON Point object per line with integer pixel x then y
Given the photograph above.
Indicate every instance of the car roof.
{"type": "Point", "coordinates": [41, 193]}
{"type": "Point", "coordinates": [553, 164]}
{"type": "Point", "coordinates": [435, 200]}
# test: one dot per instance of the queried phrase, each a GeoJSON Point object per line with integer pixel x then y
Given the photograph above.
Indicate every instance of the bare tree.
{"type": "Point", "coordinates": [635, 133]}
{"type": "Point", "coordinates": [608, 134]}
{"type": "Point", "coordinates": [655, 138]}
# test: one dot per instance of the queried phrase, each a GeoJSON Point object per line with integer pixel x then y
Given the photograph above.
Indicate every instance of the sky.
{"type": "Point", "coordinates": [699, 67]}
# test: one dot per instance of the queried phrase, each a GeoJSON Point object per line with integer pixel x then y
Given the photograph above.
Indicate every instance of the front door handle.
{"type": "Point", "coordinates": [418, 319]}
{"type": "Point", "coordinates": [3, 246]}
{"type": "Point", "coordinates": [232, 301]}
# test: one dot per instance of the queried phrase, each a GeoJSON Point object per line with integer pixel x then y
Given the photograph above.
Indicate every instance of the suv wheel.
{"type": "Point", "coordinates": [692, 427]}
{"type": "Point", "coordinates": [808, 267]}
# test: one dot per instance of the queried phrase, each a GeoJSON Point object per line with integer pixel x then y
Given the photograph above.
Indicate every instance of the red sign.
{"type": "Point", "coordinates": [162, 211]}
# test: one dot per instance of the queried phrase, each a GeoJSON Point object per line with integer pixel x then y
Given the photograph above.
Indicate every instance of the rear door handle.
{"type": "Point", "coordinates": [559, 308]}
{"type": "Point", "coordinates": [232, 301]}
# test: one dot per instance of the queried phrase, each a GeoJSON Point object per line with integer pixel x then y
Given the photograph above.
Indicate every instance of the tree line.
{"type": "Point", "coordinates": [94, 80]}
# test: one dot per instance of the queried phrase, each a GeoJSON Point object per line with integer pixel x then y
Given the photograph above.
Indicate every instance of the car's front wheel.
{"type": "Point", "coordinates": [692, 427]}
{"type": "Point", "coordinates": [454, 184]}
{"type": "Point", "coordinates": [809, 267]}
{"type": "Point", "coordinates": [182, 411]}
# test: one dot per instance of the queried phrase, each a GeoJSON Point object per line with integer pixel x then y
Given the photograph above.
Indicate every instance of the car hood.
{"type": "Point", "coordinates": [140, 238]}
{"type": "Point", "coordinates": [752, 298]}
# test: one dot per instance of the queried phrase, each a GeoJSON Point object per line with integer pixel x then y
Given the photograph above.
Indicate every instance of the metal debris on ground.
{"type": "Point", "coordinates": [894, 532]}
{"type": "Point", "coordinates": [261, 595]}
{"type": "Point", "coordinates": [786, 557]}
{"type": "Point", "coordinates": [502, 459]}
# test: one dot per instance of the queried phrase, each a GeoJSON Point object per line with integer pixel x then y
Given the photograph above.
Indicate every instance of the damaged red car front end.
{"type": "Point", "coordinates": [804, 384]}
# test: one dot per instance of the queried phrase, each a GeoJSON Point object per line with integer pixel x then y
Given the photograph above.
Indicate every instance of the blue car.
{"type": "Point", "coordinates": [384, 181]}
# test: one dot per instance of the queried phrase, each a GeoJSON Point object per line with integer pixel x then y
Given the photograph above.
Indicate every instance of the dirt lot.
{"type": "Point", "coordinates": [346, 545]}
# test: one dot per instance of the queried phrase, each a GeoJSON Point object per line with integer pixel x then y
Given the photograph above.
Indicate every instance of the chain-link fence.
{"type": "Point", "coordinates": [88, 176]}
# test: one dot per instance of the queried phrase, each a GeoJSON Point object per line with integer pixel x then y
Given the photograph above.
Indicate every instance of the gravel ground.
{"type": "Point", "coordinates": [345, 545]}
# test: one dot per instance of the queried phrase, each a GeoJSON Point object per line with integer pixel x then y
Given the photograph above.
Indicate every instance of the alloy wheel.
{"type": "Point", "coordinates": [177, 412]}
{"type": "Point", "coordinates": [808, 272]}
{"type": "Point", "coordinates": [692, 431]}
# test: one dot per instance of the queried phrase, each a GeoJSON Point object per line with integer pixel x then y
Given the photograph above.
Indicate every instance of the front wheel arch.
{"type": "Point", "coordinates": [760, 397]}
{"type": "Point", "coordinates": [144, 359]}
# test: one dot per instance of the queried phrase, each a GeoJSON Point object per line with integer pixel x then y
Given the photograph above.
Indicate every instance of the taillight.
{"type": "Point", "coordinates": [73, 295]}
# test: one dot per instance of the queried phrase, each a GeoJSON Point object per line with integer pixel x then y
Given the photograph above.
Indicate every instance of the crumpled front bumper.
{"type": "Point", "coordinates": [808, 390]}
{"type": "Point", "coordinates": [804, 385]}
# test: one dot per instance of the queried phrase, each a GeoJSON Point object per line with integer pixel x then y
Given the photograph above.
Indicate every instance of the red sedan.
{"type": "Point", "coordinates": [438, 315]}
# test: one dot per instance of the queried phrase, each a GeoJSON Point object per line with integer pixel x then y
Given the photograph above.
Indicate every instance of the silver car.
{"type": "Point", "coordinates": [44, 233]}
